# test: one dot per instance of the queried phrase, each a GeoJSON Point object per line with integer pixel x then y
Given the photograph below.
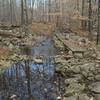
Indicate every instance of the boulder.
{"type": "Point", "coordinates": [73, 88]}
{"type": "Point", "coordinates": [84, 96]}
{"type": "Point", "coordinates": [95, 87]}
{"type": "Point", "coordinates": [97, 77]}
{"type": "Point", "coordinates": [71, 98]}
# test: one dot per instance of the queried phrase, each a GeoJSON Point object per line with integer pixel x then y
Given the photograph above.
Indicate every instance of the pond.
{"type": "Point", "coordinates": [28, 80]}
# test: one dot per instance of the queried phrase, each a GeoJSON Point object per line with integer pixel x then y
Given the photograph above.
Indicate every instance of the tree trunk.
{"type": "Point", "coordinates": [98, 28]}
{"type": "Point", "coordinates": [83, 22]}
{"type": "Point", "coordinates": [22, 12]}
{"type": "Point", "coordinates": [89, 22]}
{"type": "Point", "coordinates": [26, 13]}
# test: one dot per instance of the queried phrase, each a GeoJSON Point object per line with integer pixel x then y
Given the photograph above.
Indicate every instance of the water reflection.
{"type": "Point", "coordinates": [27, 80]}
{"type": "Point", "coordinates": [45, 48]}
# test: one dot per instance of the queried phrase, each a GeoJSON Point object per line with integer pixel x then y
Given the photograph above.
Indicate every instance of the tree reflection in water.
{"type": "Point", "coordinates": [27, 80]}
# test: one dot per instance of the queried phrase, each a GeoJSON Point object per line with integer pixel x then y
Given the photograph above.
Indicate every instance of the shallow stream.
{"type": "Point", "coordinates": [28, 80]}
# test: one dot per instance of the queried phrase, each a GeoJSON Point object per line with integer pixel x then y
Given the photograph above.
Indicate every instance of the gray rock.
{"type": "Point", "coordinates": [84, 97]}
{"type": "Point", "coordinates": [79, 55]}
{"type": "Point", "coordinates": [84, 73]}
{"type": "Point", "coordinates": [95, 87]}
{"type": "Point", "coordinates": [11, 46]}
{"type": "Point", "coordinates": [97, 96]}
{"type": "Point", "coordinates": [98, 55]}
{"type": "Point", "coordinates": [88, 66]}
{"type": "Point", "coordinates": [91, 78]}
{"type": "Point", "coordinates": [71, 98]}
{"type": "Point", "coordinates": [74, 88]}
{"type": "Point", "coordinates": [97, 77]}
{"type": "Point", "coordinates": [76, 69]}
{"type": "Point", "coordinates": [72, 80]}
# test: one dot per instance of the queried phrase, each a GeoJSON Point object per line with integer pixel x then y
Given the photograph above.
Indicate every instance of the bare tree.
{"type": "Point", "coordinates": [98, 27]}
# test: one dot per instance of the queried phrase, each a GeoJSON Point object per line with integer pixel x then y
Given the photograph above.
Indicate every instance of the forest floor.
{"type": "Point", "coordinates": [81, 72]}
{"type": "Point", "coordinates": [42, 28]}
{"type": "Point", "coordinates": [12, 41]}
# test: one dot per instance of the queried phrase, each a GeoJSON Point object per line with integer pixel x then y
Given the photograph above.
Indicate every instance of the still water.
{"type": "Point", "coordinates": [27, 80]}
